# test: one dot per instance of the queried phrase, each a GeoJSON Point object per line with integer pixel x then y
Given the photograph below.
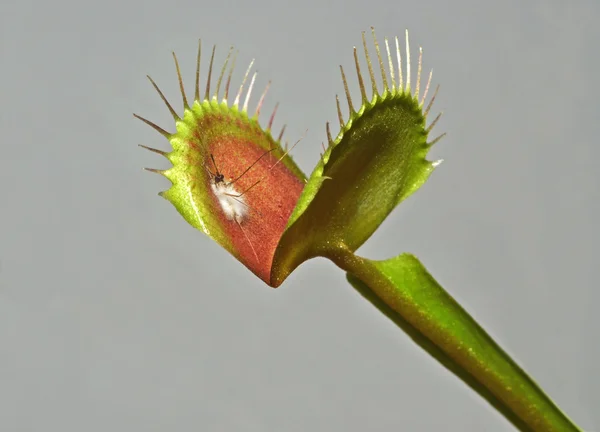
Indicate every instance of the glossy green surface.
{"type": "Point", "coordinates": [404, 285]}
{"type": "Point", "coordinates": [376, 161]}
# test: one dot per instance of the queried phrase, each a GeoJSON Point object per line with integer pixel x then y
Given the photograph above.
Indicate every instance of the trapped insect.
{"type": "Point", "coordinates": [232, 202]}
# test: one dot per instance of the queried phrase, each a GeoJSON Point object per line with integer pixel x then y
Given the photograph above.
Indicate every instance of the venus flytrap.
{"type": "Point", "coordinates": [234, 181]}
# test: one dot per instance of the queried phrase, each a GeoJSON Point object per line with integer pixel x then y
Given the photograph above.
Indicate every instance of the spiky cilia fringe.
{"type": "Point", "coordinates": [214, 96]}
{"type": "Point", "coordinates": [400, 85]}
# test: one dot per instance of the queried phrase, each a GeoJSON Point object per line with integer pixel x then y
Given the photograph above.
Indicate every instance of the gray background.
{"type": "Point", "coordinates": [115, 315]}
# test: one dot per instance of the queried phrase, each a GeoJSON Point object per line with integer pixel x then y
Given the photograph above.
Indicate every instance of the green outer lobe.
{"type": "Point", "coordinates": [377, 160]}
{"type": "Point", "coordinates": [406, 286]}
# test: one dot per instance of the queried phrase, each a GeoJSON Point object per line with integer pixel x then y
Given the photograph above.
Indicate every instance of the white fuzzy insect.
{"type": "Point", "coordinates": [232, 203]}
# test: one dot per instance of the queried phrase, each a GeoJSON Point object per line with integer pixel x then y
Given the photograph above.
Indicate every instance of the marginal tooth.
{"type": "Point", "coordinates": [348, 97]}
{"type": "Point", "coordinates": [197, 87]}
{"type": "Point", "coordinates": [339, 110]}
{"type": "Point", "coordinates": [239, 94]}
{"type": "Point", "coordinates": [272, 117]}
{"type": "Point", "coordinates": [426, 112]}
{"type": "Point", "coordinates": [181, 89]}
{"type": "Point", "coordinates": [381, 67]}
{"type": "Point", "coordinates": [361, 84]}
{"type": "Point", "coordinates": [407, 64]}
{"type": "Point", "coordinates": [210, 67]}
{"type": "Point", "coordinates": [222, 73]}
{"type": "Point", "coordinates": [162, 96]}
{"type": "Point", "coordinates": [261, 100]}
{"type": "Point", "coordinates": [419, 73]}
{"type": "Point", "coordinates": [399, 59]}
{"type": "Point", "coordinates": [427, 87]}
{"type": "Point", "coordinates": [391, 65]}
{"type": "Point", "coordinates": [369, 66]}
{"type": "Point", "coordinates": [245, 108]}
{"type": "Point", "coordinates": [153, 150]}
{"type": "Point", "coordinates": [281, 133]}
{"type": "Point", "coordinates": [226, 97]}
{"type": "Point", "coordinates": [437, 139]}
{"type": "Point", "coordinates": [156, 171]}
{"type": "Point", "coordinates": [435, 120]}
{"type": "Point", "coordinates": [153, 125]}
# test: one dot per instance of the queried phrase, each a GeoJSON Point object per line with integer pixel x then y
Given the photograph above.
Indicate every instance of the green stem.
{"type": "Point", "coordinates": [404, 285]}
